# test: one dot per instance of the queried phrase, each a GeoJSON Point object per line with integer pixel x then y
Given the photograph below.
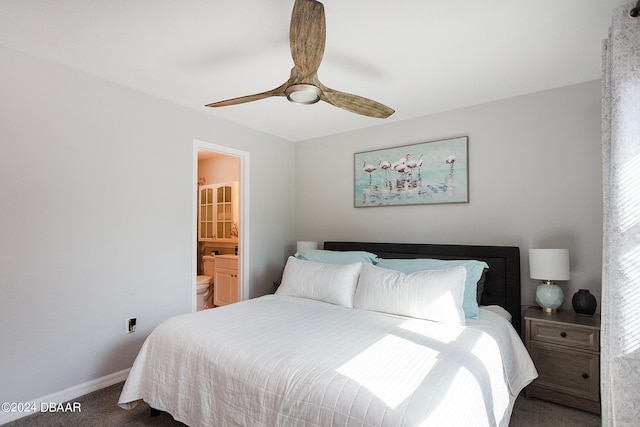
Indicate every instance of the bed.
{"type": "Point", "coordinates": [319, 354]}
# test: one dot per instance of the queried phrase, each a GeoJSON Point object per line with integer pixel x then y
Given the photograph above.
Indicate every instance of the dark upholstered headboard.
{"type": "Point", "coordinates": [502, 282]}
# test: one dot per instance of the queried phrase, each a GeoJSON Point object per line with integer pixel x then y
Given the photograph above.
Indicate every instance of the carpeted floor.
{"type": "Point", "coordinates": [100, 408]}
{"type": "Point", "coordinates": [534, 412]}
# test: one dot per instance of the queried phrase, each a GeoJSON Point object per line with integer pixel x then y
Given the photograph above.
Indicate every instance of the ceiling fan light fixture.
{"type": "Point", "coordinates": [303, 94]}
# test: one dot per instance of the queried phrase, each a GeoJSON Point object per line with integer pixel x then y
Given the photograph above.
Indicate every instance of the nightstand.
{"type": "Point", "coordinates": [565, 348]}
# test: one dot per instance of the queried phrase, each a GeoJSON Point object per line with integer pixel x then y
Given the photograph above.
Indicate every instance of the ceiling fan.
{"type": "Point", "coordinates": [307, 39]}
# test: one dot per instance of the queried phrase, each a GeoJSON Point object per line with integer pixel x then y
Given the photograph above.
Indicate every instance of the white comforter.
{"type": "Point", "coordinates": [288, 361]}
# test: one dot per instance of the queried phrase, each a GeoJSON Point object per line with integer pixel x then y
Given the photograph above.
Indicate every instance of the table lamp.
{"type": "Point", "coordinates": [549, 265]}
{"type": "Point", "coordinates": [305, 245]}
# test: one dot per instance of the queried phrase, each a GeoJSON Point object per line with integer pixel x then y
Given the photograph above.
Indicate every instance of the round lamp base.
{"type": "Point", "coordinates": [549, 297]}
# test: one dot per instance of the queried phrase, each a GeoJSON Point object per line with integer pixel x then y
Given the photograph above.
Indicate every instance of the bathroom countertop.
{"type": "Point", "coordinates": [227, 256]}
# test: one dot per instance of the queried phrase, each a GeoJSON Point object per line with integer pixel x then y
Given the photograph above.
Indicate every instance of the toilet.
{"type": "Point", "coordinates": [205, 280]}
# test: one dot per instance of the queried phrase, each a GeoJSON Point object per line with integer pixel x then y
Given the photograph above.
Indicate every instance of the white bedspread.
{"type": "Point", "coordinates": [287, 361]}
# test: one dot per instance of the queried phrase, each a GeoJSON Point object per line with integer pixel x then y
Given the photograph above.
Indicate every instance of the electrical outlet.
{"type": "Point", "coordinates": [131, 325]}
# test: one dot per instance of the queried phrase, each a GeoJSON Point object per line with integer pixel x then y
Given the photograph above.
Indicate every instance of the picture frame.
{"type": "Point", "coordinates": [432, 172]}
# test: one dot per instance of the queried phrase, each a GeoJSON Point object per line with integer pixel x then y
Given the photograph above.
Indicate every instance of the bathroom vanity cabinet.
{"type": "Point", "coordinates": [217, 212]}
{"type": "Point", "coordinates": [225, 290]}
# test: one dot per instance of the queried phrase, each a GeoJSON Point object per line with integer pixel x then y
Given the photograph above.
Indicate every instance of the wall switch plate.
{"type": "Point", "coordinates": [131, 325]}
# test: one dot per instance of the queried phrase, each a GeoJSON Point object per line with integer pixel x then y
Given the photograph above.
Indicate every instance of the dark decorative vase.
{"type": "Point", "coordinates": [584, 302]}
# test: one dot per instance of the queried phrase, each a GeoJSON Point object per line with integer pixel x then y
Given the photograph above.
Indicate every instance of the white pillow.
{"type": "Point", "coordinates": [332, 283]}
{"type": "Point", "coordinates": [433, 295]}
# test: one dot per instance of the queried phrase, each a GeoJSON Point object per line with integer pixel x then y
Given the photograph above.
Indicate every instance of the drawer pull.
{"type": "Point", "coordinates": [563, 334]}
{"type": "Point", "coordinates": [585, 375]}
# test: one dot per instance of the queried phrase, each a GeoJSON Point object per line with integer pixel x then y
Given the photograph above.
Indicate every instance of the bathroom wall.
{"type": "Point", "coordinates": [219, 168]}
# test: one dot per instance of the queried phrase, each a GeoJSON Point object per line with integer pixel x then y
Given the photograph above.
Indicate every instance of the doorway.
{"type": "Point", "coordinates": [222, 155]}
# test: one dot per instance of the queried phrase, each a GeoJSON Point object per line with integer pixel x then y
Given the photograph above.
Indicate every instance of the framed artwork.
{"type": "Point", "coordinates": [424, 173]}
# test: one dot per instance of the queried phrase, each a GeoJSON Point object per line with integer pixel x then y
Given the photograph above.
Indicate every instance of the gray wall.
{"type": "Point", "coordinates": [96, 220]}
{"type": "Point", "coordinates": [535, 182]}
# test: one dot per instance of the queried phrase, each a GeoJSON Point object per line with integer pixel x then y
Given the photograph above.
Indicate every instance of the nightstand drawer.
{"type": "Point", "coordinates": [565, 370]}
{"type": "Point", "coordinates": [567, 335]}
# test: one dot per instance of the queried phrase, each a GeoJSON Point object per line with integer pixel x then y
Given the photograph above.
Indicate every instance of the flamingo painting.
{"type": "Point", "coordinates": [424, 173]}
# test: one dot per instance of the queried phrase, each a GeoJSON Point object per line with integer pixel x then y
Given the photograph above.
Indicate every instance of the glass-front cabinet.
{"type": "Point", "coordinates": [218, 212]}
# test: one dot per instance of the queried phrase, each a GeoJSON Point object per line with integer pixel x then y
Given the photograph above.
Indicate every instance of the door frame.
{"type": "Point", "coordinates": [243, 216]}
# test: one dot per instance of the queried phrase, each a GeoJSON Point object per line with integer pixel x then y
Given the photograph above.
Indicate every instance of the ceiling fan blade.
{"type": "Point", "coordinates": [279, 91]}
{"type": "Point", "coordinates": [355, 104]}
{"type": "Point", "coordinates": [307, 36]}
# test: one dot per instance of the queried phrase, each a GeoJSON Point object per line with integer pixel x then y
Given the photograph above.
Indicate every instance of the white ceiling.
{"type": "Point", "coordinates": [416, 56]}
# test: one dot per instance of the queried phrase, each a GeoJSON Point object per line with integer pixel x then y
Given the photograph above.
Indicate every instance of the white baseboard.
{"type": "Point", "coordinates": [66, 395]}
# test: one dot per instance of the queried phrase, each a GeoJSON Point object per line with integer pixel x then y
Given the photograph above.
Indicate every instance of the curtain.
{"type": "Point", "coordinates": [620, 308]}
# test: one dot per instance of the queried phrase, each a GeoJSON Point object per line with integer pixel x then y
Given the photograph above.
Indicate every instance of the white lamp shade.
{"type": "Point", "coordinates": [549, 264]}
{"type": "Point", "coordinates": [303, 245]}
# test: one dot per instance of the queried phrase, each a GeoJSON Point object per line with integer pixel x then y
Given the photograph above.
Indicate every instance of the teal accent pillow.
{"type": "Point", "coordinates": [474, 273]}
{"type": "Point", "coordinates": [337, 257]}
